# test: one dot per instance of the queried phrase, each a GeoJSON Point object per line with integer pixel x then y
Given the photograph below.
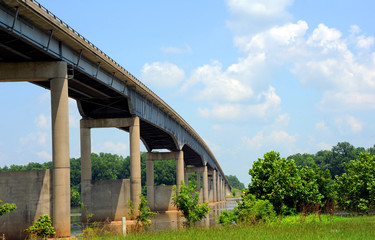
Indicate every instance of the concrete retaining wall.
{"type": "Point", "coordinates": [163, 198]}
{"type": "Point", "coordinates": [31, 191]}
{"type": "Point", "coordinates": [109, 199]}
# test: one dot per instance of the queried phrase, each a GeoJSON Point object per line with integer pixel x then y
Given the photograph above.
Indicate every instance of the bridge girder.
{"type": "Point", "coordinates": [96, 77]}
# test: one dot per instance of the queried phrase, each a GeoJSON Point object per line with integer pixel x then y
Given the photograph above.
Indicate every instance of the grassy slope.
{"type": "Point", "coordinates": [337, 228]}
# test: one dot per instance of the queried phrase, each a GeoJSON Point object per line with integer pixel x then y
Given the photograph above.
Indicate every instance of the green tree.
{"type": "Point", "coordinates": [316, 189]}
{"type": "Point", "coordinates": [6, 207]}
{"type": "Point", "coordinates": [356, 187]}
{"type": "Point", "coordinates": [234, 182]}
{"type": "Point", "coordinates": [186, 200]}
{"type": "Point", "coordinates": [287, 187]}
{"type": "Point", "coordinates": [277, 180]}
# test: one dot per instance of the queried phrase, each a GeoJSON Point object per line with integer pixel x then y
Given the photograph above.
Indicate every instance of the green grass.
{"type": "Point", "coordinates": [288, 228]}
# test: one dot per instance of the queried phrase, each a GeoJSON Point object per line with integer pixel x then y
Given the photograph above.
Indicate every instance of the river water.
{"type": "Point", "coordinates": [164, 221]}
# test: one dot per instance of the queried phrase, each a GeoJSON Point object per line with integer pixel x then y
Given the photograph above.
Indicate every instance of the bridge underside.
{"type": "Point", "coordinates": [95, 100]}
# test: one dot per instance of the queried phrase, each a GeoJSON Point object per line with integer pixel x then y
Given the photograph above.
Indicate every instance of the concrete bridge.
{"type": "Point", "coordinates": [38, 47]}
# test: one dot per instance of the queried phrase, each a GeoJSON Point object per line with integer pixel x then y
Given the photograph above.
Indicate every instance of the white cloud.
{"type": "Point", "coordinates": [43, 122]}
{"type": "Point", "coordinates": [339, 101]}
{"type": "Point", "coordinates": [321, 127]}
{"type": "Point", "coordinates": [116, 148]}
{"type": "Point", "coordinates": [268, 105]}
{"type": "Point", "coordinates": [162, 74]}
{"type": "Point", "coordinates": [44, 156]}
{"type": "Point", "coordinates": [257, 15]}
{"type": "Point", "coordinates": [217, 85]}
{"type": "Point", "coordinates": [277, 140]}
{"type": "Point", "coordinates": [323, 146]}
{"type": "Point", "coordinates": [36, 137]}
{"type": "Point", "coordinates": [281, 121]}
{"type": "Point", "coordinates": [322, 59]}
{"type": "Point", "coordinates": [349, 125]}
{"type": "Point", "coordinates": [177, 50]}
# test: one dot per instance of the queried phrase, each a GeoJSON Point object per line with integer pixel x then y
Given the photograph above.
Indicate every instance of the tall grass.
{"type": "Point", "coordinates": [334, 228]}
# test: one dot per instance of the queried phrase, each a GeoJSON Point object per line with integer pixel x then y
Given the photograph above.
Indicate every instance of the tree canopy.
{"type": "Point", "coordinates": [234, 182]}
{"type": "Point", "coordinates": [334, 160]}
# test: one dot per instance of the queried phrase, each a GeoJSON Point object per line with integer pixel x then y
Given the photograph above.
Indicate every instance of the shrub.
{"type": "Point", "coordinates": [356, 187]}
{"type": "Point", "coordinates": [6, 207]}
{"type": "Point", "coordinates": [187, 202]}
{"type": "Point", "coordinates": [42, 228]}
{"type": "Point", "coordinates": [143, 214]}
{"type": "Point", "coordinates": [227, 218]}
{"type": "Point", "coordinates": [249, 210]}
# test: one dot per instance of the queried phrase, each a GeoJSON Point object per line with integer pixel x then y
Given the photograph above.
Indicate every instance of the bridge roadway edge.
{"type": "Point", "coordinates": [83, 55]}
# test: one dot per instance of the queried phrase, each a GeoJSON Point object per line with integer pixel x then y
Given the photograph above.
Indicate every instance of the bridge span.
{"type": "Point", "coordinates": [38, 47]}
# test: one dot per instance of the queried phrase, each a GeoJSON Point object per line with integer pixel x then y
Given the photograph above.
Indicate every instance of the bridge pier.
{"type": "Point", "coordinates": [205, 184]}
{"type": "Point", "coordinates": [56, 74]}
{"type": "Point", "coordinates": [214, 185]}
{"type": "Point", "coordinates": [60, 154]}
{"type": "Point", "coordinates": [157, 200]}
{"type": "Point", "coordinates": [135, 162]}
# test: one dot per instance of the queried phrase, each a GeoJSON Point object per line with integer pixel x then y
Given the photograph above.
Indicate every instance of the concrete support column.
{"type": "Point", "coordinates": [135, 162]}
{"type": "Point", "coordinates": [180, 169]}
{"type": "Point", "coordinates": [60, 152]}
{"type": "Point", "coordinates": [198, 181]}
{"type": "Point", "coordinates": [150, 183]}
{"type": "Point", "coordinates": [220, 189]}
{"type": "Point", "coordinates": [214, 185]}
{"type": "Point", "coordinates": [205, 184]}
{"type": "Point", "coordinates": [86, 175]}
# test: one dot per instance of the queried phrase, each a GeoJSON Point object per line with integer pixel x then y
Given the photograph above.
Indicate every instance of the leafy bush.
{"type": "Point", "coordinates": [187, 202]}
{"type": "Point", "coordinates": [143, 214]}
{"type": "Point", "coordinates": [227, 218]}
{"type": "Point", "coordinates": [356, 188]}
{"type": "Point", "coordinates": [75, 198]}
{"type": "Point", "coordinates": [42, 228]}
{"type": "Point", "coordinates": [287, 187]}
{"type": "Point", "coordinates": [249, 210]}
{"type": "Point", "coordinates": [6, 207]}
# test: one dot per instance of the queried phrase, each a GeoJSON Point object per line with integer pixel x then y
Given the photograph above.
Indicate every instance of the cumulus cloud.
{"type": "Point", "coordinates": [162, 74]}
{"type": "Point", "coordinates": [268, 104]}
{"type": "Point", "coordinates": [277, 140]}
{"type": "Point", "coordinates": [218, 85]}
{"type": "Point", "coordinates": [321, 127]}
{"type": "Point", "coordinates": [43, 122]}
{"type": "Point", "coordinates": [116, 148]}
{"type": "Point", "coordinates": [322, 59]}
{"type": "Point", "coordinates": [257, 15]}
{"type": "Point", "coordinates": [349, 125]}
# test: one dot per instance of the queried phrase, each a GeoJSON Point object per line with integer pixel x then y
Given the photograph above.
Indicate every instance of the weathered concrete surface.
{"type": "Point", "coordinates": [109, 199]}
{"type": "Point", "coordinates": [163, 198]}
{"type": "Point", "coordinates": [31, 191]}
{"type": "Point", "coordinates": [135, 162]}
{"type": "Point", "coordinates": [60, 151]}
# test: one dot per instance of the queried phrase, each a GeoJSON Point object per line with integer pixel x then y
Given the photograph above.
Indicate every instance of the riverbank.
{"type": "Point", "coordinates": [335, 228]}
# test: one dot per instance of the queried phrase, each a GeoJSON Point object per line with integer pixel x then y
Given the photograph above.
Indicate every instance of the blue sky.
{"type": "Point", "coordinates": [248, 76]}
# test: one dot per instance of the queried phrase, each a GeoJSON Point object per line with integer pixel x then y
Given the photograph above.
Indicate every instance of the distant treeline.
{"type": "Point", "coordinates": [334, 160]}
{"type": "Point", "coordinates": [107, 166]}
